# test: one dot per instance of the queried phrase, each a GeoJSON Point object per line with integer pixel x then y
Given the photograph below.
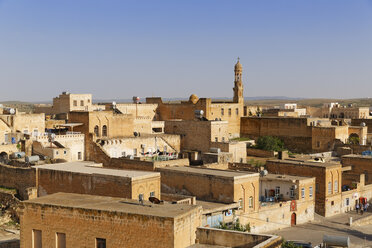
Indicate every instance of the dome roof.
{"type": "Point", "coordinates": [194, 98]}
{"type": "Point", "coordinates": [238, 66]}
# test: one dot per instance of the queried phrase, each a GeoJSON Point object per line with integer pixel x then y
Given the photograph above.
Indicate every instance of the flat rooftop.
{"type": "Point", "coordinates": [281, 177]}
{"type": "Point", "coordinates": [357, 156]}
{"type": "Point", "coordinates": [87, 167]}
{"type": "Point", "coordinates": [305, 163]}
{"type": "Point", "coordinates": [211, 172]}
{"type": "Point", "coordinates": [111, 204]}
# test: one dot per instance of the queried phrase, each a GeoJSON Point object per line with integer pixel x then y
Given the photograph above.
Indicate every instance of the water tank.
{"type": "Point", "coordinates": [343, 241]}
{"type": "Point", "coordinates": [32, 159]}
{"type": "Point", "coordinates": [263, 173]}
{"type": "Point", "coordinates": [363, 124]}
{"type": "Point", "coordinates": [18, 155]}
{"type": "Point", "coordinates": [136, 99]}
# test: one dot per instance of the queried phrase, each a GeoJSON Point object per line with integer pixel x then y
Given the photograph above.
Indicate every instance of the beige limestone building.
{"type": "Point", "coordinates": [75, 220]}
{"type": "Point", "coordinates": [92, 179]}
{"type": "Point", "coordinates": [212, 110]}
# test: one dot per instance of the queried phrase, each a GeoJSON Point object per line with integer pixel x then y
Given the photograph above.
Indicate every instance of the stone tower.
{"type": "Point", "coordinates": [238, 83]}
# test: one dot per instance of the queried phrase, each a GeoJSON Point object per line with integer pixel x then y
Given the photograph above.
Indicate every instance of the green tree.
{"type": "Point", "coordinates": [270, 143]}
{"type": "Point", "coordinates": [235, 226]}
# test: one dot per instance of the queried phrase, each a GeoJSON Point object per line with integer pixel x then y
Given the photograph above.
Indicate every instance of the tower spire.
{"type": "Point", "coordinates": [238, 83]}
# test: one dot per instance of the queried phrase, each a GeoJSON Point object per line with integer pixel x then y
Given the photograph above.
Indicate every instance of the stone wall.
{"type": "Point", "coordinates": [13, 243]}
{"type": "Point", "coordinates": [17, 178]}
{"type": "Point", "coordinates": [53, 181]}
{"type": "Point", "coordinates": [359, 165]}
{"type": "Point", "coordinates": [260, 153]}
{"type": "Point", "coordinates": [227, 238]}
{"type": "Point", "coordinates": [83, 226]}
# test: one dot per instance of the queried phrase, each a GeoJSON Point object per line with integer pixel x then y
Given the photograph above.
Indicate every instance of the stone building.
{"type": "Point", "coordinates": [302, 134]}
{"type": "Point", "coordinates": [359, 165]}
{"type": "Point", "coordinates": [76, 220]}
{"type": "Point", "coordinates": [90, 178]}
{"type": "Point", "coordinates": [284, 201]}
{"type": "Point", "coordinates": [163, 145]}
{"type": "Point", "coordinates": [328, 181]}
{"type": "Point", "coordinates": [68, 147]}
{"type": "Point", "coordinates": [213, 185]}
{"type": "Point", "coordinates": [213, 110]}
{"type": "Point", "coordinates": [336, 111]}
{"type": "Point", "coordinates": [18, 122]}
{"type": "Point", "coordinates": [67, 102]}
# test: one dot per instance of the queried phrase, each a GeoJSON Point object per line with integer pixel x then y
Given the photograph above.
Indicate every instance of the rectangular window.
{"type": "Point", "coordinates": [318, 144]}
{"type": "Point", "coordinates": [347, 201]}
{"type": "Point", "coordinates": [303, 193]}
{"type": "Point", "coordinates": [277, 191]}
{"type": "Point", "coordinates": [135, 152]}
{"type": "Point", "coordinates": [216, 139]}
{"type": "Point", "coordinates": [75, 103]}
{"type": "Point", "coordinates": [222, 111]}
{"type": "Point", "coordinates": [123, 154]}
{"type": "Point", "coordinates": [223, 139]}
{"type": "Point", "coordinates": [229, 111]}
{"type": "Point", "coordinates": [25, 131]}
{"type": "Point", "coordinates": [36, 239]}
{"type": "Point", "coordinates": [100, 243]}
{"type": "Point", "coordinates": [237, 111]}
{"type": "Point", "coordinates": [81, 103]}
{"type": "Point", "coordinates": [61, 240]}
{"type": "Point", "coordinates": [152, 194]}
{"type": "Point", "coordinates": [310, 191]}
{"type": "Point", "coordinates": [336, 186]}
{"type": "Point", "coordinates": [291, 193]}
{"type": "Point", "coordinates": [317, 187]}
{"type": "Point", "coordinates": [250, 202]}
{"type": "Point", "coordinates": [79, 156]}
{"type": "Point", "coordinates": [36, 133]}
{"type": "Point", "coordinates": [329, 188]}
{"type": "Point", "coordinates": [140, 197]}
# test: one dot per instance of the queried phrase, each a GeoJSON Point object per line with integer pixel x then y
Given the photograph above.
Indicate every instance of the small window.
{"type": "Point", "coordinates": [96, 131]}
{"type": "Point", "coordinates": [79, 156]}
{"type": "Point", "coordinates": [223, 139]}
{"type": "Point", "coordinates": [25, 131]}
{"type": "Point", "coordinates": [241, 203]}
{"type": "Point", "coordinates": [336, 186]}
{"type": "Point", "coordinates": [329, 188]}
{"type": "Point", "coordinates": [64, 152]}
{"type": "Point", "coordinates": [310, 191]}
{"type": "Point", "coordinates": [135, 152]}
{"type": "Point", "coordinates": [303, 193]}
{"type": "Point", "coordinates": [88, 100]}
{"type": "Point", "coordinates": [100, 243]}
{"type": "Point", "coordinates": [277, 191]}
{"type": "Point", "coordinates": [237, 111]}
{"type": "Point", "coordinates": [123, 154]}
{"type": "Point", "coordinates": [222, 111]}
{"type": "Point", "coordinates": [36, 239]}
{"type": "Point", "coordinates": [347, 201]}
{"type": "Point", "coordinates": [229, 111]}
{"type": "Point", "coordinates": [152, 194]}
{"type": "Point", "coordinates": [140, 197]}
{"type": "Point", "coordinates": [57, 152]}
{"type": "Point", "coordinates": [332, 203]}
{"type": "Point", "coordinates": [61, 240]}
{"type": "Point", "coordinates": [291, 193]}
{"type": "Point", "coordinates": [250, 202]}
{"type": "Point", "coordinates": [216, 139]}
{"type": "Point", "coordinates": [81, 103]}
{"type": "Point", "coordinates": [104, 130]}
{"type": "Point", "coordinates": [318, 144]}
{"type": "Point", "coordinates": [75, 103]}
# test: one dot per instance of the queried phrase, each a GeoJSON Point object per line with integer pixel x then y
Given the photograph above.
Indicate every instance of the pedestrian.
{"type": "Point", "coordinates": [361, 209]}
{"type": "Point", "coordinates": [366, 207]}
{"type": "Point", "coordinates": [357, 207]}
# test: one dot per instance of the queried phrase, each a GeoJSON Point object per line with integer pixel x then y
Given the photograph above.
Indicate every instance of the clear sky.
{"type": "Point", "coordinates": [118, 49]}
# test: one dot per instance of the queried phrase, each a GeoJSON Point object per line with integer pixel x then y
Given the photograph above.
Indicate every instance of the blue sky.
{"type": "Point", "coordinates": [117, 49]}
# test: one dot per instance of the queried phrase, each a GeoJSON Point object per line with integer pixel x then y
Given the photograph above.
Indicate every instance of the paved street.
{"type": "Point", "coordinates": [313, 232]}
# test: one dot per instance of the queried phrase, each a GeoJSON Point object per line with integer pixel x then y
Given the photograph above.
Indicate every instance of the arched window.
{"type": "Point", "coordinates": [96, 131]}
{"type": "Point", "coordinates": [104, 130]}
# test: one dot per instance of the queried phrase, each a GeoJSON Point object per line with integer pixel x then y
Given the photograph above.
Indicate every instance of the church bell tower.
{"type": "Point", "coordinates": [238, 83]}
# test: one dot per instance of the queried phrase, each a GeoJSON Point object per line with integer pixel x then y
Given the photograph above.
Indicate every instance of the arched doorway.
{"type": "Point", "coordinates": [354, 139]}
{"type": "Point", "coordinates": [3, 157]}
{"type": "Point", "coordinates": [293, 219]}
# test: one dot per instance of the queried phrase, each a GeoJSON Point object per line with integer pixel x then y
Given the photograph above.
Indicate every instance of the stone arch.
{"type": "Point", "coordinates": [96, 130]}
{"type": "Point", "coordinates": [104, 131]}
{"type": "Point", "coordinates": [354, 139]}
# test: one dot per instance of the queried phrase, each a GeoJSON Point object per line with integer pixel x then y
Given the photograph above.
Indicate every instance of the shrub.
{"type": "Point", "coordinates": [270, 143]}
